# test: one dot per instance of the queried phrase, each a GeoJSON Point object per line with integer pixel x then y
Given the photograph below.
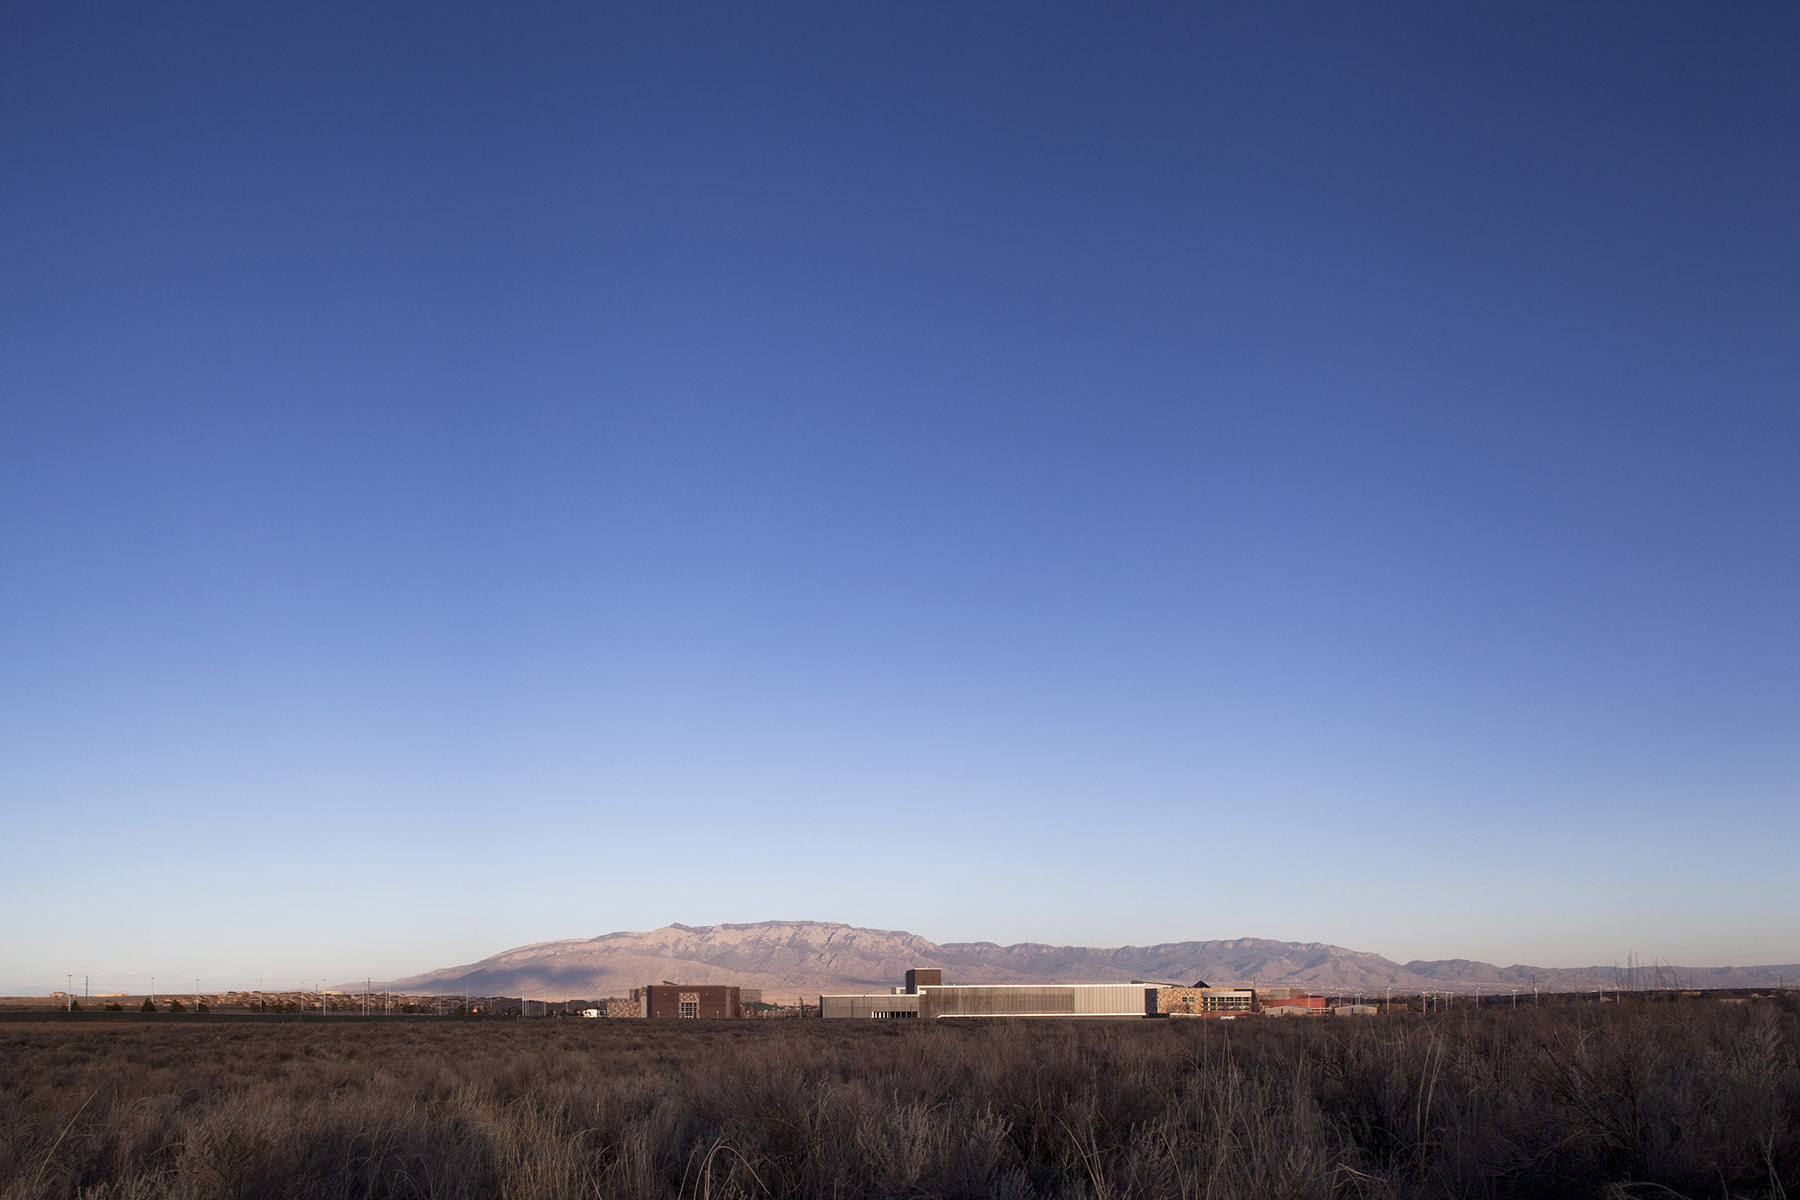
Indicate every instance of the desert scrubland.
{"type": "Point", "coordinates": [1693, 1097]}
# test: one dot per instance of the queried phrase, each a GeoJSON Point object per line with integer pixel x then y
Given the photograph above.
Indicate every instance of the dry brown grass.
{"type": "Point", "coordinates": [1694, 1098]}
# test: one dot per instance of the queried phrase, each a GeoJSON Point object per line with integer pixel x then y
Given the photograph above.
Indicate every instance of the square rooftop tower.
{"type": "Point", "coordinates": [918, 977]}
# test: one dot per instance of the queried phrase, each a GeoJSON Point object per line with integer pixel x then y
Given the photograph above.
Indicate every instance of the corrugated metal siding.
{"type": "Point", "coordinates": [918, 977]}
{"type": "Point", "coordinates": [879, 1004]}
{"type": "Point", "coordinates": [1035, 1000]}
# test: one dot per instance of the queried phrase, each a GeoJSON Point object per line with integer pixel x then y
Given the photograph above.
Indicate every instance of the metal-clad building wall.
{"type": "Point", "coordinates": [884, 1004]}
{"type": "Point", "coordinates": [1037, 1000]}
{"type": "Point", "coordinates": [918, 977]}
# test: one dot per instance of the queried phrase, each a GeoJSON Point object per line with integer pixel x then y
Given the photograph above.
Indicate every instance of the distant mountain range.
{"type": "Point", "coordinates": [794, 958]}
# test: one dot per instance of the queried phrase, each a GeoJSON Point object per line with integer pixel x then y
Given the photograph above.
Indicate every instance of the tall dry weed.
{"type": "Point", "coordinates": [1696, 1098]}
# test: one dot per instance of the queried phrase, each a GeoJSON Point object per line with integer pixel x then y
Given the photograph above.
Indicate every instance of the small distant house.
{"type": "Point", "coordinates": [1289, 1002]}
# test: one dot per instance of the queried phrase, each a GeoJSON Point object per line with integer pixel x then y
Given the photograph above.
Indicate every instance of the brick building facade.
{"type": "Point", "coordinates": [692, 1001]}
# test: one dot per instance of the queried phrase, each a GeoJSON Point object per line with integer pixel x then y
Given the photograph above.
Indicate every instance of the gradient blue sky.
{"type": "Point", "coordinates": [1072, 473]}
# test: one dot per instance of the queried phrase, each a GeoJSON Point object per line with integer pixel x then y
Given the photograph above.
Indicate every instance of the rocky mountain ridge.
{"type": "Point", "coordinates": [787, 959]}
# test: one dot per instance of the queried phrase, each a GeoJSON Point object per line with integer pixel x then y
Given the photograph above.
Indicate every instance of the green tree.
{"type": "Point", "coordinates": [148, 1006]}
{"type": "Point", "coordinates": [177, 1006]}
{"type": "Point", "coordinates": [74, 1006]}
{"type": "Point", "coordinates": [115, 1006]}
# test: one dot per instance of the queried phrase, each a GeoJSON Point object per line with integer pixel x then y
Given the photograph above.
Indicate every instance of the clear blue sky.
{"type": "Point", "coordinates": [1051, 472]}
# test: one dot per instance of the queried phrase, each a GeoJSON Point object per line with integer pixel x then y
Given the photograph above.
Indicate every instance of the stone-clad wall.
{"type": "Point", "coordinates": [1182, 1000]}
{"type": "Point", "coordinates": [1196, 1002]}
